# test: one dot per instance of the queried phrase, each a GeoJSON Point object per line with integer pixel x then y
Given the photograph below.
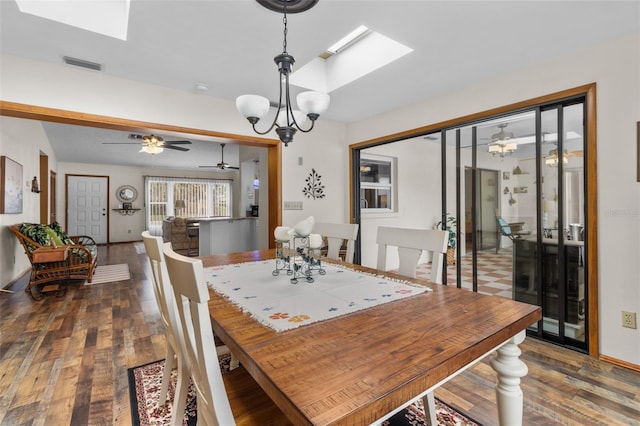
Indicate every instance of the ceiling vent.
{"type": "Point", "coordinates": [82, 63]}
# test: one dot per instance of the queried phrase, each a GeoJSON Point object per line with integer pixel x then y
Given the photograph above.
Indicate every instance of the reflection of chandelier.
{"type": "Point", "coordinates": [500, 144]}
{"type": "Point", "coordinates": [552, 160]}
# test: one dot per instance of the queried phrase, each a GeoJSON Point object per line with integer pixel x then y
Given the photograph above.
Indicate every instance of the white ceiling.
{"type": "Point", "coordinates": [229, 45]}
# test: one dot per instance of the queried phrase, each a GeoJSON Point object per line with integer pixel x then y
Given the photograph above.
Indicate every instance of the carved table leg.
{"type": "Point", "coordinates": [510, 369]}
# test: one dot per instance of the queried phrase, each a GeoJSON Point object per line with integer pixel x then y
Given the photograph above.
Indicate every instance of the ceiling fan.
{"type": "Point", "coordinates": [222, 165]}
{"type": "Point", "coordinates": [152, 144]}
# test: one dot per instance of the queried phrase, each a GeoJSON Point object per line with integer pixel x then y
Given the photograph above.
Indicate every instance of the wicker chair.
{"type": "Point", "coordinates": [80, 260]}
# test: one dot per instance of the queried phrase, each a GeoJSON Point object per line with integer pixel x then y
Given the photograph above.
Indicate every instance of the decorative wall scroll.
{"type": "Point", "coordinates": [10, 186]}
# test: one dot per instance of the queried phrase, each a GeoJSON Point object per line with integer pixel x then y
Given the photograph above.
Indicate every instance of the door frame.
{"type": "Point", "coordinates": [589, 93]}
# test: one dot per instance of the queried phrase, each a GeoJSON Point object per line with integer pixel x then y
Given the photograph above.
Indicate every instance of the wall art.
{"type": "Point", "coordinates": [10, 186]}
{"type": "Point", "coordinates": [313, 186]}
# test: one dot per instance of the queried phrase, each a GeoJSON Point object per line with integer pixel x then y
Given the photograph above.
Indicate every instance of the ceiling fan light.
{"type": "Point", "coordinates": [152, 149]}
{"type": "Point", "coordinates": [252, 106]}
{"type": "Point", "coordinates": [313, 103]}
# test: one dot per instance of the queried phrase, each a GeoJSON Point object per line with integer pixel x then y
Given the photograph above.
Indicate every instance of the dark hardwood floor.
{"type": "Point", "coordinates": [64, 360]}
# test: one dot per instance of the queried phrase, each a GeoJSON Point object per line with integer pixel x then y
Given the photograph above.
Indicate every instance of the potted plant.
{"type": "Point", "coordinates": [451, 226]}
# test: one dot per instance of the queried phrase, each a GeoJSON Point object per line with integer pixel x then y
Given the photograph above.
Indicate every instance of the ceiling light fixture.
{"type": "Point", "coordinates": [152, 145]}
{"type": "Point", "coordinates": [553, 159]}
{"type": "Point", "coordinates": [152, 149]}
{"type": "Point", "coordinates": [287, 121]}
{"type": "Point", "coordinates": [502, 142]}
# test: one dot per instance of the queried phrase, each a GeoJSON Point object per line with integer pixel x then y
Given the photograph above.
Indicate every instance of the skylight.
{"type": "Point", "coordinates": [106, 17]}
{"type": "Point", "coordinates": [354, 56]}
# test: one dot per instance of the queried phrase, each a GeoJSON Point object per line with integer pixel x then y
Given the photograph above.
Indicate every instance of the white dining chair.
{"type": "Point", "coordinates": [222, 399]}
{"type": "Point", "coordinates": [410, 244]}
{"type": "Point", "coordinates": [336, 234]}
{"type": "Point", "coordinates": [165, 300]}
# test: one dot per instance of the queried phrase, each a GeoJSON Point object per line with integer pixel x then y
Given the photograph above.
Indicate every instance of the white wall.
{"type": "Point", "coordinates": [23, 141]}
{"type": "Point", "coordinates": [418, 189]}
{"type": "Point", "coordinates": [323, 150]}
{"type": "Point", "coordinates": [614, 66]}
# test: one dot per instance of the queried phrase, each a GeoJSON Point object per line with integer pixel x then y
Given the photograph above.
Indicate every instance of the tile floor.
{"type": "Point", "coordinates": [494, 272]}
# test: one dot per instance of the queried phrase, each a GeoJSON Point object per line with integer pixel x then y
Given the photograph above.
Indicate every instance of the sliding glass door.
{"type": "Point", "coordinates": [516, 188]}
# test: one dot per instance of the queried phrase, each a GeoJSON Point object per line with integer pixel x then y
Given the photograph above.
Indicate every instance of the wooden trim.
{"type": "Point", "coordinates": [589, 91]}
{"type": "Point", "coordinates": [430, 128]}
{"type": "Point", "coordinates": [592, 222]}
{"type": "Point", "coordinates": [53, 213]}
{"type": "Point", "coordinates": [274, 146]}
{"type": "Point", "coordinates": [275, 190]}
{"type": "Point", "coordinates": [352, 207]}
{"type": "Point", "coordinates": [32, 112]}
{"type": "Point", "coordinates": [44, 188]}
{"type": "Point", "coordinates": [621, 363]}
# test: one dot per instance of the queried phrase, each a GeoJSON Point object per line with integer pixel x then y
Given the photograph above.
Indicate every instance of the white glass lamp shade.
{"type": "Point", "coordinates": [252, 106]}
{"type": "Point", "coordinates": [152, 149]}
{"type": "Point", "coordinates": [510, 147]}
{"type": "Point", "coordinates": [494, 149]}
{"type": "Point", "coordinates": [313, 102]}
{"type": "Point", "coordinates": [299, 116]}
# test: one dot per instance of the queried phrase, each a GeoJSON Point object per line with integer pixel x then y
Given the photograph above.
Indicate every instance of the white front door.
{"type": "Point", "coordinates": [87, 206]}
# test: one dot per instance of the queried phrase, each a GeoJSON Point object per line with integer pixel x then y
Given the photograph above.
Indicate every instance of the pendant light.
{"type": "Point", "coordinates": [311, 104]}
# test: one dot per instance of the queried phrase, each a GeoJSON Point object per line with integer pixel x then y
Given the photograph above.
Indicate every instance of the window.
{"type": "Point", "coordinates": [199, 198]}
{"type": "Point", "coordinates": [377, 183]}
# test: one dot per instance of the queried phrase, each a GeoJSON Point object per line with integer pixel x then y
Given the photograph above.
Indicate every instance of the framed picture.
{"type": "Point", "coordinates": [520, 190]}
{"type": "Point", "coordinates": [506, 175]}
{"type": "Point", "coordinates": [127, 206]}
{"type": "Point", "coordinates": [10, 186]}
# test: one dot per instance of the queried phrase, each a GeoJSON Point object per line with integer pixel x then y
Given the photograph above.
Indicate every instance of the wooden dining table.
{"type": "Point", "coordinates": [361, 368]}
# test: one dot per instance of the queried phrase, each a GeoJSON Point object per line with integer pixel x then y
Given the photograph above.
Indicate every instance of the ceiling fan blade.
{"type": "Point", "coordinates": [177, 148]}
{"type": "Point", "coordinates": [121, 143]}
{"type": "Point", "coordinates": [177, 143]}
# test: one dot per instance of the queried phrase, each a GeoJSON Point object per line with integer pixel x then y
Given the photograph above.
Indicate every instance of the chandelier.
{"type": "Point", "coordinates": [500, 144]}
{"type": "Point", "coordinates": [553, 159]}
{"type": "Point", "coordinates": [287, 120]}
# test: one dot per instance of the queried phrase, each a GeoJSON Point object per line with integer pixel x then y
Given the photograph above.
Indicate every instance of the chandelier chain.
{"type": "Point", "coordinates": [284, 21]}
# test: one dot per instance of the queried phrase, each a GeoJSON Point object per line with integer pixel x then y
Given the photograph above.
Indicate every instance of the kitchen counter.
{"type": "Point", "coordinates": [227, 235]}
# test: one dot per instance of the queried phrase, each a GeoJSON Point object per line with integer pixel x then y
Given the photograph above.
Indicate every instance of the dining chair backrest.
{"type": "Point", "coordinates": [410, 244]}
{"type": "Point", "coordinates": [336, 234]}
{"type": "Point", "coordinates": [162, 285]}
{"type": "Point", "coordinates": [191, 295]}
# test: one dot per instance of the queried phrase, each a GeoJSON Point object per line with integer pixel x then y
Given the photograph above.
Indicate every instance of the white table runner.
{"type": "Point", "coordinates": [277, 303]}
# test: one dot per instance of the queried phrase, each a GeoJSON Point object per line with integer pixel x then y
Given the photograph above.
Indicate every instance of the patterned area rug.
{"type": "Point", "coordinates": [110, 274]}
{"type": "Point", "coordinates": [281, 305]}
{"type": "Point", "coordinates": [144, 387]}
